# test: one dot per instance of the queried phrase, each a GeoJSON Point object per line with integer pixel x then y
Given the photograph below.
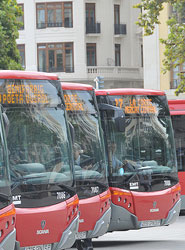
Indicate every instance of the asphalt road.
{"type": "Point", "coordinates": [160, 238]}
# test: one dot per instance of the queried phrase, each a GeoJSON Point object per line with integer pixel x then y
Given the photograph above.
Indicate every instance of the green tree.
{"type": "Point", "coordinates": [175, 42]}
{"type": "Point", "coordinates": [9, 25]}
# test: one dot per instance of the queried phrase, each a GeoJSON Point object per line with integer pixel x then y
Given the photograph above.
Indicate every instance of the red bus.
{"type": "Point", "coordinates": [7, 209]}
{"type": "Point", "coordinates": [177, 111]}
{"type": "Point", "coordinates": [142, 162]}
{"type": "Point", "coordinates": [39, 147]}
{"type": "Point", "coordinates": [90, 163]}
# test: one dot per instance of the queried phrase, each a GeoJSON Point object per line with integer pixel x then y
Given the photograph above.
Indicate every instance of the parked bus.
{"type": "Point", "coordinates": [39, 147]}
{"type": "Point", "coordinates": [142, 162]}
{"type": "Point", "coordinates": [7, 209]}
{"type": "Point", "coordinates": [90, 163]}
{"type": "Point", "coordinates": [177, 111]}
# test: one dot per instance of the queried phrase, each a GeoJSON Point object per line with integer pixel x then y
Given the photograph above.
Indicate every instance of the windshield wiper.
{"type": "Point", "coordinates": [23, 180]}
{"type": "Point", "coordinates": [96, 182]}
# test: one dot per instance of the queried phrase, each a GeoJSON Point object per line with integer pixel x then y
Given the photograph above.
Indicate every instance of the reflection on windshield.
{"type": "Point", "coordinates": [89, 156]}
{"type": "Point", "coordinates": [178, 122]}
{"type": "Point", "coordinates": [4, 176]}
{"type": "Point", "coordinates": [145, 147]}
{"type": "Point", "coordinates": [38, 146]}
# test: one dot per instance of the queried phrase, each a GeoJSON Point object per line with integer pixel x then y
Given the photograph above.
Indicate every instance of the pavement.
{"type": "Point", "coordinates": [170, 237]}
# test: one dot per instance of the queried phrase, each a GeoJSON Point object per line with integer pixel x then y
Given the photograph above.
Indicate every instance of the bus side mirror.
{"type": "Point", "coordinates": [6, 122]}
{"type": "Point", "coordinates": [116, 113]}
{"type": "Point", "coordinates": [120, 121]}
{"type": "Point", "coordinates": [72, 132]}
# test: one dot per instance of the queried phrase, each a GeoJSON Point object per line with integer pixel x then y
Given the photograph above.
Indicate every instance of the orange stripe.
{"type": "Point", "coordinates": [107, 196]}
{"type": "Point", "coordinates": [176, 189]}
{"type": "Point", "coordinates": [9, 213]}
{"type": "Point", "coordinates": [120, 193]}
{"type": "Point", "coordinates": [73, 203]}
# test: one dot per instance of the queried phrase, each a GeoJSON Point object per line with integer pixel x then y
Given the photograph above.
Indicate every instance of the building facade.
{"type": "Point", "coordinates": [153, 60]}
{"type": "Point", "coordinates": [82, 39]}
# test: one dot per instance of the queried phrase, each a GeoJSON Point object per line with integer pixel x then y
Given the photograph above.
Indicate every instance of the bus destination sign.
{"type": "Point", "coordinates": [136, 106]}
{"type": "Point", "coordinates": [23, 94]}
{"type": "Point", "coordinates": [73, 103]}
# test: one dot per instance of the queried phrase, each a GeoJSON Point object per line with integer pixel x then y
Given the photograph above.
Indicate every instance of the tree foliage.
{"type": "Point", "coordinates": [9, 25]}
{"type": "Point", "coordinates": [175, 42]}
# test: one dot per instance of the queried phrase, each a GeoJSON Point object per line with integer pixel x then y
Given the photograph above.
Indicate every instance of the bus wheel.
{"type": "Point", "coordinates": [85, 244]}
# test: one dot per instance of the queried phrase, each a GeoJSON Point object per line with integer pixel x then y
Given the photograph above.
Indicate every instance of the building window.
{"type": "Point", "coordinates": [21, 48]}
{"type": "Point", "coordinates": [175, 78]}
{"type": "Point", "coordinates": [54, 15]}
{"type": "Point", "coordinates": [117, 55]}
{"type": "Point", "coordinates": [91, 54]}
{"type": "Point", "coordinates": [90, 13]}
{"type": "Point", "coordinates": [55, 57]}
{"type": "Point", "coordinates": [91, 25]}
{"type": "Point", "coordinates": [116, 14]}
{"type": "Point", "coordinates": [142, 55]}
{"type": "Point", "coordinates": [21, 18]}
{"type": "Point", "coordinates": [119, 28]}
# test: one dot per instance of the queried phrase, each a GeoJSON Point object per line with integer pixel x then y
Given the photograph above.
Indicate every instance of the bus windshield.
{"type": "Point", "coordinates": [38, 144]}
{"type": "Point", "coordinates": [178, 122]}
{"type": "Point", "coordinates": [5, 194]}
{"type": "Point", "coordinates": [145, 147]}
{"type": "Point", "coordinates": [88, 147]}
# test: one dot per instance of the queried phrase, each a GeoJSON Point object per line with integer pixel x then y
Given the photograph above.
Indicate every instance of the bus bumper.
{"type": "Point", "coordinates": [9, 242]}
{"type": "Point", "coordinates": [101, 226]}
{"type": "Point", "coordinates": [182, 202]}
{"type": "Point", "coordinates": [122, 219]}
{"type": "Point", "coordinates": [68, 237]}
{"type": "Point", "coordinates": [173, 214]}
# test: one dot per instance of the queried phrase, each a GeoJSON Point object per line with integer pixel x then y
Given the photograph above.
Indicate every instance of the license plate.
{"type": "Point", "coordinates": [81, 235]}
{"type": "Point", "coordinates": [39, 247]}
{"type": "Point", "coordinates": [150, 223]}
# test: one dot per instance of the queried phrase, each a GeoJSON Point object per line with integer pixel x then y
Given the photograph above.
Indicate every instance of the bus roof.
{"type": "Point", "coordinates": [20, 74]}
{"type": "Point", "coordinates": [76, 86]}
{"type": "Point", "coordinates": [177, 107]}
{"type": "Point", "coordinates": [129, 91]}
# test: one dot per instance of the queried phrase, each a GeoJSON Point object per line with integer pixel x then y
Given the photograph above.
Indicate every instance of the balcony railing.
{"type": "Point", "coordinates": [67, 69]}
{"type": "Point", "coordinates": [93, 28]}
{"type": "Point", "coordinates": [120, 29]}
{"type": "Point", "coordinates": [114, 72]}
{"type": "Point", "coordinates": [53, 25]}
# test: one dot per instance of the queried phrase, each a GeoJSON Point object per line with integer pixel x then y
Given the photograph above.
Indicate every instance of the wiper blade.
{"type": "Point", "coordinates": [61, 185]}
{"type": "Point", "coordinates": [144, 168]}
{"type": "Point", "coordinates": [4, 197]}
{"type": "Point", "coordinates": [98, 182]}
{"type": "Point", "coordinates": [23, 180]}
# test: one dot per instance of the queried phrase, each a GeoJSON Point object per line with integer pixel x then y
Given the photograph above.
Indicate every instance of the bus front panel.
{"type": "Point", "coordinates": [40, 162]}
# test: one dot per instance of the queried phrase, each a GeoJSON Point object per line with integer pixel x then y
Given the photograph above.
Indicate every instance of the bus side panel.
{"type": "Point", "coordinates": [92, 209]}
{"type": "Point", "coordinates": [7, 221]}
{"type": "Point", "coordinates": [181, 176]}
{"type": "Point", "coordinates": [38, 226]}
{"type": "Point", "coordinates": [155, 205]}
{"type": "Point", "coordinates": [89, 213]}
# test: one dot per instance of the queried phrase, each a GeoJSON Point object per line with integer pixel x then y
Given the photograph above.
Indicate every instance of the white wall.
{"type": "Point", "coordinates": [151, 61]}
{"type": "Point", "coordinates": [130, 43]}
